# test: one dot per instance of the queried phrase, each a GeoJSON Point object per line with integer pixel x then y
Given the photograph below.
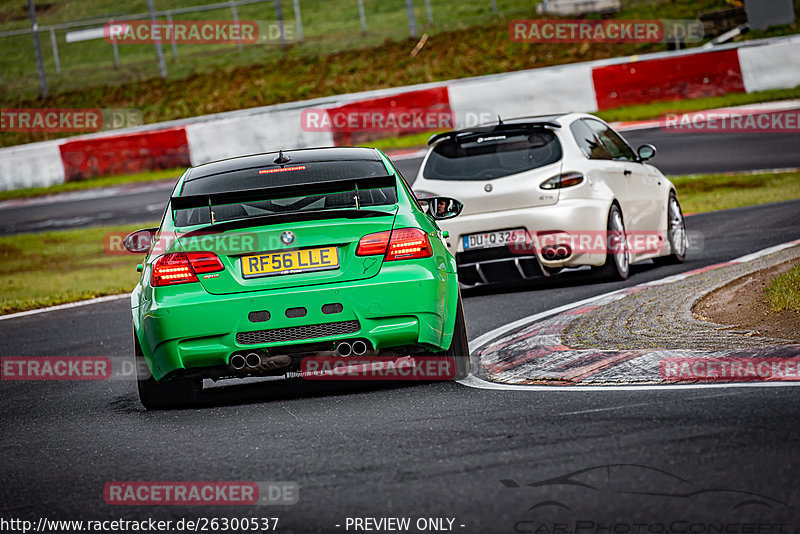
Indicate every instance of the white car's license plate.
{"type": "Point", "coordinates": [500, 238]}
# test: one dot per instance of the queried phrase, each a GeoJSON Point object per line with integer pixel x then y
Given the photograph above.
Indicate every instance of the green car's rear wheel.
{"type": "Point", "coordinates": [156, 395]}
{"type": "Point", "coordinates": [459, 347]}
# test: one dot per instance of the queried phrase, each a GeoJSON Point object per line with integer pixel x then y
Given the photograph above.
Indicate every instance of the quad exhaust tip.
{"type": "Point", "coordinates": [344, 349]}
{"type": "Point", "coordinates": [238, 362]}
{"type": "Point", "coordinates": [253, 360]}
{"type": "Point", "coordinates": [359, 348]}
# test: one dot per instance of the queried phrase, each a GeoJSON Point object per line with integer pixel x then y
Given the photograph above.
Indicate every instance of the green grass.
{"type": "Point", "coordinates": [108, 181]}
{"type": "Point", "coordinates": [724, 191]}
{"type": "Point", "coordinates": [39, 270]}
{"type": "Point", "coordinates": [783, 293]}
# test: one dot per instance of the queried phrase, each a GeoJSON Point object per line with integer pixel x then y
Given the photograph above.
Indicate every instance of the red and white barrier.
{"type": "Point", "coordinates": [671, 78]}
{"type": "Point", "coordinates": [250, 134]}
{"type": "Point", "coordinates": [32, 165]}
{"type": "Point", "coordinates": [588, 87]}
{"type": "Point", "coordinates": [531, 92]}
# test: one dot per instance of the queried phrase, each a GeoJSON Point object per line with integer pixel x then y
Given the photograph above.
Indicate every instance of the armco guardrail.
{"type": "Point", "coordinates": [589, 87]}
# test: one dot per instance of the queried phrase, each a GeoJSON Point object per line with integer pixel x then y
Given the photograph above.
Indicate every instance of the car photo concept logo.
{"type": "Point", "coordinates": [629, 498]}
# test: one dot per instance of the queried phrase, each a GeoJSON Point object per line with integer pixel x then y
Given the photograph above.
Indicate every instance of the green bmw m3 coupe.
{"type": "Point", "coordinates": [263, 261]}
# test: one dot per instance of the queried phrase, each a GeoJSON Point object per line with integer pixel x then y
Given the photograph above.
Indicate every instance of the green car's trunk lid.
{"type": "Point", "coordinates": [235, 246]}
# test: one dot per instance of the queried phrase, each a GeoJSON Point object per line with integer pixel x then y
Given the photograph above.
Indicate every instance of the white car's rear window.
{"type": "Point", "coordinates": [487, 156]}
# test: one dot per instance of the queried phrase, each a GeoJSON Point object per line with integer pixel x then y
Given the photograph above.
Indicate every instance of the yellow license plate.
{"type": "Point", "coordinates": [290, 262]}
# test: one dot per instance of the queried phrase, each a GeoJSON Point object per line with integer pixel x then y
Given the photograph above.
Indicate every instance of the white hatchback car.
{"type": "Point", "coordinates": [541, 194]}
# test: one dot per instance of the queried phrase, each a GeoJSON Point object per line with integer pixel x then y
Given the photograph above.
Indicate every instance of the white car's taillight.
{"type": "Point", "coordinates": [561, 181]}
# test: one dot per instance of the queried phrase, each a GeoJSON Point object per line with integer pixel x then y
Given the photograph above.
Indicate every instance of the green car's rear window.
{"type": "Point", "coordinates": [296, 176]}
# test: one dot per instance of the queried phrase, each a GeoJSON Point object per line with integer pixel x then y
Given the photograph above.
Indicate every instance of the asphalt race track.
{"type": "Point", "coordinates": [438, 450]}
{"type": "Point", "coordinates": [552, 462]}
{"type": "Point", "coordinates": [679, 153]}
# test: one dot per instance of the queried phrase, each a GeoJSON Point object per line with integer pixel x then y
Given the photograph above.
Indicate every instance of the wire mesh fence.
{"type": "Point", "coordinates": [76, 51]}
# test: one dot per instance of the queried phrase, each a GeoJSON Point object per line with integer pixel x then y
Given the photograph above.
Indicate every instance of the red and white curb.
{"type": "Point", "coordinates": [541, 336]}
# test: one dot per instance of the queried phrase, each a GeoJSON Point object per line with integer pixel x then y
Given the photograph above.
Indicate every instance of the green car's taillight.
{"type": "Point", "coordinates": [181, 267]}
{"type": "Point", "coordinates": [402, 244]}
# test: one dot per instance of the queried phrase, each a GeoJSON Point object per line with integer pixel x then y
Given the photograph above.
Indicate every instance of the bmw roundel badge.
{"type": "Point", "coordinates": [287, 238]}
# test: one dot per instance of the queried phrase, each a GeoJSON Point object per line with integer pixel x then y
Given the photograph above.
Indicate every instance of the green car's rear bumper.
{"type": "Point", "coordinates": [407, 303]}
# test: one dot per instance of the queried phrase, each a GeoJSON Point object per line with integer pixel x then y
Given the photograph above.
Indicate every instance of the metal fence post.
{"type": "Point", "coordinates": [54, 46]}
{"type": "Point", "coordinates": [412, 20]}
{"type": "Point", "coordinates": [236, 23]}
{"type": "Point", "coordinates": [279, 16]}
{"type": "Point", "coordinates": [115, 47]}
{"type": "Point", "coordinates": [298, 20]}
{"type": "Point", "coordinates": [162, 67]}
{"type": "Point", "coordinates": [428, 11]}
{"type": "Point", "coordinates": [172, 32]}
{"type": "Point", "coordinates": [362, 16]}
{"type": "Point", "coordinates": [37, 48]}
{"type": "Point", "coordinates": [494, 7]}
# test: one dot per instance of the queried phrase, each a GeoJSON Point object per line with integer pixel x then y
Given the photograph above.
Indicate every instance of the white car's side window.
{"type": "Point", "coordinates": [615, 145]}
{"type": "Point", "coordinates": [588, 141]}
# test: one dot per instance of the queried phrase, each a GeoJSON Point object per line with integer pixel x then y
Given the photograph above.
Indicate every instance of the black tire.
{"type": "Point", "coordinates": [155, 395]}
{"type": "Point", "coordinates": [617, 265]}
{"type": "Point", "coordinates": [459, 347]}
{"type": "Point", "coordinates": [676, 233]}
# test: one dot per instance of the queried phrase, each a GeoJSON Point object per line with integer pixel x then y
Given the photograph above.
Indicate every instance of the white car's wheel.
{"type": "Point", "coordinates": [676, 233]}
{"type": "Point", "coordinates": [617, 265]}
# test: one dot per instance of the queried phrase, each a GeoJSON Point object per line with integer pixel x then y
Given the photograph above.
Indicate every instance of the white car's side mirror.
{"type": "Point", "coordinates": [646, 152]}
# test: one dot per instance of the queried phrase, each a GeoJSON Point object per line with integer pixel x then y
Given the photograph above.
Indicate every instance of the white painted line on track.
{"type": "Point", "coordinates": [492, 335]}
{"type": "Point", "coordinates": [67, 306]}
{"type": "Point", "coordinates": [477, 383]}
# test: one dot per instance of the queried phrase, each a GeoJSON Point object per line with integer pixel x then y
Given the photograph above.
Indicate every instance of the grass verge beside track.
{"type": "Point", "coordinates": [783, 293]}
{"type": "Point", "coordinates": [712, 192]}
{"type": "Point", "coordinates": [40, 270]}
{"type": "Point", "coordinates": [93, 183]}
